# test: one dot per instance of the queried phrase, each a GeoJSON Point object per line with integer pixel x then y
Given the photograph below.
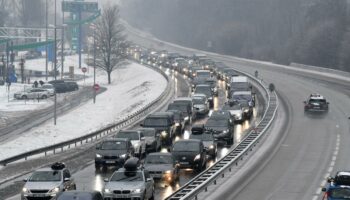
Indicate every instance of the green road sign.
{"type": "Point", "coordinates": [79, 6]}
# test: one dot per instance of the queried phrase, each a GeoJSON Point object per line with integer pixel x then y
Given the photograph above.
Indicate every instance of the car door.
{"type": "Point", "coordinates": [143, 142]}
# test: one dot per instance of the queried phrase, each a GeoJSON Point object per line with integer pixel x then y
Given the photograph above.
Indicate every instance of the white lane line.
{"type": "Point", "coordinates": [314, 197]}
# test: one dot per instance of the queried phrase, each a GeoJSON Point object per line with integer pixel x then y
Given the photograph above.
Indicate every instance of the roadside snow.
{"type": "Point", "coordinates": [133, 86]}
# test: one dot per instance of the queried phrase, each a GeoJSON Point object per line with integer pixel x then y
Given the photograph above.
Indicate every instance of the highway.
{"type": "Point", "coordinates": [312, 147]}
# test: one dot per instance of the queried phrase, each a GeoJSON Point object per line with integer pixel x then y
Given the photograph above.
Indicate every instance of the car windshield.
{"type": "Point", "coordinates": [204, 137]}
{"type": "Point", "coordinates": [159, 159]}
{"type": "Point", "coordinates": [317, 101]}
{"type": "Point", "coordinates": [340, 193]}
{"type": "Point", "coordinates": [48, 86]}
{"type": "Point", "coordinates": [113, 145]}
{"type": "Point", "coordinates": [216, 122]}
{"type": "Point", "coordinates": [180, 107]}
{"type": "Point", "coordinates": [127, 176]}
{"type": "Point", "coordinates": [156, 122]}
{"type": "Point", "coordinates": [186, 146]}
{"type": "Point", "coordinates": [231, 107]}
{"type": "Point", "coordinates": [148, 133]}
{"type": "Point", "coordinates": [203, 74]}
{"type": "Point", "coordinates": [198, 101]}
{"type": "Point", "coordinates": [129, 135]}
{"type": "Point", "coordinates": [203, 90]}
{"type": "Point", "coordinates": [45, 176]}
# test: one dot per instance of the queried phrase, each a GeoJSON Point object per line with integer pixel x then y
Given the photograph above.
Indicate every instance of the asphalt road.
{"type": "Point", "coordinates": [315, 146]}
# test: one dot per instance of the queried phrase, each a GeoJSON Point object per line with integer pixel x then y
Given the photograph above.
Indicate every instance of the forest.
{"type": "Point", "coordinates": [312, 32]}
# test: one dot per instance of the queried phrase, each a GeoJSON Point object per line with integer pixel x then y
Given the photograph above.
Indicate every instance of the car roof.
{"type": "Point", "coordinates": [129, 131]}
{"type": "Point", "coordinates": [242, 92]}
{"type": "Point", "coordinates": [316, 96]}
{"type": "Point", "coordinates": [160, 114]}
{"type": "Point", "coordinates": [116, 139]}
{"type": "Point", "coordinates": [189, 140]}
{"type": "Point", "coordinates": [159, 154]}
{"type": "Point", "coordinates": [183, 99]}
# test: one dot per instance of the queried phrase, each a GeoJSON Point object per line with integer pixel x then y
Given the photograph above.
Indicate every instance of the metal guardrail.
{"type": "Point", "coordinates": [59, 147]}
{"type": "Point", "coordinates": [210, 176]}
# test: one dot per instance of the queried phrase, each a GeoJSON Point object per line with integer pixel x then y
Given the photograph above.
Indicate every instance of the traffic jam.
{"type": "Point", "coordinates": [167, 148]}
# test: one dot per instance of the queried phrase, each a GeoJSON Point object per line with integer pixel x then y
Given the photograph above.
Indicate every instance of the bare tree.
{"type": "Point", "coordinates": [110, 40]}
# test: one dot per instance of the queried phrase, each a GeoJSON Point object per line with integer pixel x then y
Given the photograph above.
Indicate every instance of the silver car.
{"type": "Point", "coordinates": [32, 93]}
{"type": "Point", "coordinates": [47, 183]}
{"type": "Point", "coordinates": [162, 166]}
{"type": "Point", "coordinates": [50, 88]}
{"type": "Point", "coordinates": [151, 138]}
{"type": "Point", "coordinates": [137, 140]}
{"type": "Point", "coordinates": [129, 183]}
{"type": "Point", "coordinates": [200, 104]}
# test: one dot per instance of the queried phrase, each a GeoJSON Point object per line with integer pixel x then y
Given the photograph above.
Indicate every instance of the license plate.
{"type": "Point", "coordinates": [123, 196]}
{"type": "Point", "coordinates": [38, 195]}
{"type": "Point", "coordinates": [184, 163]}
{"type": "Point", "coordinates": [110, 161]}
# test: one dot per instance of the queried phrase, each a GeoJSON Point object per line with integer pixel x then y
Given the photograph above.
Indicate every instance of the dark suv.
{"type": "Point", "coordinates": [190, 154]}
{"type": "Point", "coordinates": [113, 152]}
{"type": "Point", "coordinates": [221, 129]}
{"type": "Point", "coordinates": [316, 103]}
{"type": "Point", "coordinates": [164, 123]}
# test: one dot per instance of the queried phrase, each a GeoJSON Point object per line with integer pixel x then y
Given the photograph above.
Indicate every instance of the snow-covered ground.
{"type": "Point", "coordinates": [133, 86]}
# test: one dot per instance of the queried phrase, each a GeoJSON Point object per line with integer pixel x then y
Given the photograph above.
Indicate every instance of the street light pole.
{"type": "Point", "coordinates": [46, 48]}
{"type": "Point", "coordinates": [94, 63]}
{"type": "Point", "coordinates": [55, 67]}
{"type": "Point", "coordinates": [62, 46]}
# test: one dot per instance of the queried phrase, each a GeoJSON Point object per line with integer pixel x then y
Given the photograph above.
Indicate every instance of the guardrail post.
{"type": "Point", "coordinates": [54, 151]}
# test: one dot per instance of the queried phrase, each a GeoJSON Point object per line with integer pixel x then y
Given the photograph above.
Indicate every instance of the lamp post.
{"type": "Point", "coordinates": [46, 47]}
{"type": "Point", "coordinates": [55, 69]}
{"type": "Point", "coordinates": [94, 63]}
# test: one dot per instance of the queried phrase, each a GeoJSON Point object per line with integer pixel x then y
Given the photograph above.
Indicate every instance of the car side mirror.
{"type": "Point", "coordinates": [324, 189]}
{"type": "Point", "coordinates": [142, 138]}
{"type": "Point", "coordinates": [141, 125]}
{"type": "Point", "coordinates": [105, 180]}
{"type": "Point", "coordinates": [304, 102]}
{"type": "Point", "coordinates": [66, 179]}
{"type": "Point", "coordinates": [330, 179]}
{"type": "Point", "coordinates": [25, 180]}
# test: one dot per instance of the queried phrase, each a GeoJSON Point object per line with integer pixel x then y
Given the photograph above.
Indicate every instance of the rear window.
{"type": "Point", "coordinates": [113, 145]}
{"type": "Point", "coordinates": [317, 101]}
{"type": "Point", "coordinates": [340, 193]}
{"type": "Point", "coordinates": [156, 122]}
{"type": "Point", "coordinates": [129, 135]}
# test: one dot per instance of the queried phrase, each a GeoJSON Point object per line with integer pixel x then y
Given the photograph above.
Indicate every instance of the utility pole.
{"type": "Point", "coordinates": [55, 66]}
{"type": "Point", "coordinates": [62, 45]}
{"type": "Point", "coordinates": [46, 47]}
{"type": "Point", "coordinates": [94, 63]}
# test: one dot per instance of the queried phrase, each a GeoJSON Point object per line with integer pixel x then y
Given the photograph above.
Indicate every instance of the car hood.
{"type": "Point", "coordinates": [111, 152]}
{"type": "Point", "coordinates": [41, 185]}
{"type": "Point", "coordinates": [216, 129]}
{"type": "Point", "coordinates": [135, 142]}
{"type": "Point", "coordinates": [236, 112]}
{"type": "Point", "coordinates": [123, 185]}
{"type": "Point", "coordinates": [208, 143]}
{"type": "Point", "coordinates": [158, 167]}
{"type": "Point", "coordinates": [180, 155]}
{"type": "Point", "coordinates": [149, 140]}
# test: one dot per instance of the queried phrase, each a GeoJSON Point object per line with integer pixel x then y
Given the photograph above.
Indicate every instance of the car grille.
{"type": "Point", "coordinates": [155, 172]}
{"type": "Point", "coordinates": [110, 157]}
{"type": "Point", "coordinates": [39, 191]}
{"type": "Point", "coordinates": [39, 198]}
{"type": "Point", "coordinates": [121, 191]}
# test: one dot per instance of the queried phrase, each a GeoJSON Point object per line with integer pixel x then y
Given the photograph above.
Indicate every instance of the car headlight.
{"type": "Point", "coordinates": [55, 190]}
{"type": "Point", "coordinates": [164, 133]}
{"type": "Point", "coordinates": [168, 172]}
{"type": "Point", "coordinates": [210, 98]}
{"type": "Point", "coordinates": [246, 110]}
{"type": "Point", "coordinates": [136, 191]}
{"type": "Point", "coordinates": [177, 124]}
{"type": "Point", "coordinates": [211, 147]}
{"type": "Point", "coordinates": [98, 156]}
{"type": "Point", "coordinates": [186, 118]}
{"type": "Point", "coordinates": [25, 190]}
{"type": "Point", "coordinates": [197, 157]}
{"type": "Point", "coordinates": [225, 131]}
{"type": "Point", "coordinates": [123, 156]}
{"type": "Point", "coordinates": [106, 190]}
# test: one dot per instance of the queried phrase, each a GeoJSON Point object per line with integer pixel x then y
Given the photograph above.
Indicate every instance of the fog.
{"type": "Point", "coordinates": [304, 31]}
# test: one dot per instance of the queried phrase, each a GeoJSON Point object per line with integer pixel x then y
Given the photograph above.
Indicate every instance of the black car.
{"type": "Point", "coordinates": [164, 123]}
{"type": "Point", "coordinates": [152, 140]}
{"type": "Point", "coordinates": [186, 110]}
{"type": "Point", "coordinates": [199, 132]}
{"type": "Point", "coordinates": [113, 152]}
{"type": "Point", "coordinates": [223, 114]}
{"type": "Point", "coordinates": [179, 121]}
{"type": "Point", "coordinates": [207, 90]}
{"type": "Point", "coordinates": [221, 129]}
{"type": "Point", "coordinates": [83, 195]}
{"type": "Point", "coordinates": [190, 154]}
{"type": "Point", "coordinates": [316, 103]}
{"type": "Point", "coordinates": [71, 85]}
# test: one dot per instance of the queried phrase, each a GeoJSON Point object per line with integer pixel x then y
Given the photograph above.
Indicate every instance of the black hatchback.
{"type": "Point", "coordinates": [190, 154]}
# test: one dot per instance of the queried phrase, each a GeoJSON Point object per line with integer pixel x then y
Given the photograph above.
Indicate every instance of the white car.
{"type": "Point", "coordinates": [200, 104]}
{"type": "Point", "coordinates": [50, 88]}
{"type": "Point", "coordinates": [137, 140]}
{"type": "Point", "coordinates": [32, 93]}
{"type": "Point", "coordinates": [235, 110]}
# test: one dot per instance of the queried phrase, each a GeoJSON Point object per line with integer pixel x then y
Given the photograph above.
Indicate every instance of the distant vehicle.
{"type": "Point", "coordinates": [236, 111]}
{"type": "Point", "coordinates": [238, 83]}
{"type": "Point", "coordinates": [244, 96]}
{"type": "Point", "coordinates": [316, 103]}
{"type": "Point", "coordinates": [162, 166]}
{"type": "Point", "coordinates": [338, 187]}
{"type": "Point", "coordinates": [190, 154]}
{"type": "Point", "coordinates": [62, 86]}
{"type": "Point", "coordinates": [164, 123]}
{"type": "Point", "coordinates": [72, 85]}
{"type": "Point", "coordinates": [130, 182]}
{"type": "Point", "coordinates": [32, 93]}
{"type": "Point", "coordinates": [32, 55]}
{"type": "Point", "coordinates": [151, 138]}
{"type": "Point", "coordinates": [50, 88]}
{"type": "Point", "coordinates": [136, 138]}
{"type": "Point", "coordinates": [47, 183]}
{"type": "Point", "coordinates": [193, 69]}
{"type": "Point", "coordinates": [200, 104]}
{"type": "Point", "coordinates": [199, 132]}
{"type": "Point", "coordinates": [227, 74]}
{"type": "Point", "coordinates": [113, 152]}
{"type": "Point", "coordinates": [205, 89]}
{"type": "Point", "coordinates": [83, 195]}
{"type": "Point", "coordinates": [179, 121]}
{"type": "Point", "coordinates": [186, 111]}
{"type": "Point", "coordinates": [221, 129]}
{"type": "Point", "coordinates": [223, 114]}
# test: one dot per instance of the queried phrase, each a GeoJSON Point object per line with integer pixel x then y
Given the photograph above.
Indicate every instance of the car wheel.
{"type": "Point", "coordinates": [152, 197]}
{"type": "Point", "coordinates": [44, 97]}
{"type": "Point", "coordinates": [74, 187]}
{"type": "Point", "coordinates": [24, 97]}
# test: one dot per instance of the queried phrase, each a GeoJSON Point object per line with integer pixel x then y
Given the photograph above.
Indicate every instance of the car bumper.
{"type": "Point", "coordinates": [38, 197]}
{"type": "Point", "coordinates": [111, 196]}
{"type": "Point", "coordinates": [162, 176]}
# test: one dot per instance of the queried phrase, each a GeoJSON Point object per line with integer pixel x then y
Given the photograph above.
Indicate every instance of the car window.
{"type": "Point", "coordinates": [186, 146]}
{"type": "Point", "coordinates": [159, 159]}
{"type": "Point", "coordinates": [156, 122]}
{"type": "Point", "coordinates": [45, 176]}
{"type": "Point", "coordinates": [317, 101]}
{"type": "Point", "coordinates": [130, 135]}
{"type": "Point", "coordinates": [340, 193]}
{"type": "Point", "coordinates": [66, 174]}
{"type": "Point", "coordinates": [204, 137]}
